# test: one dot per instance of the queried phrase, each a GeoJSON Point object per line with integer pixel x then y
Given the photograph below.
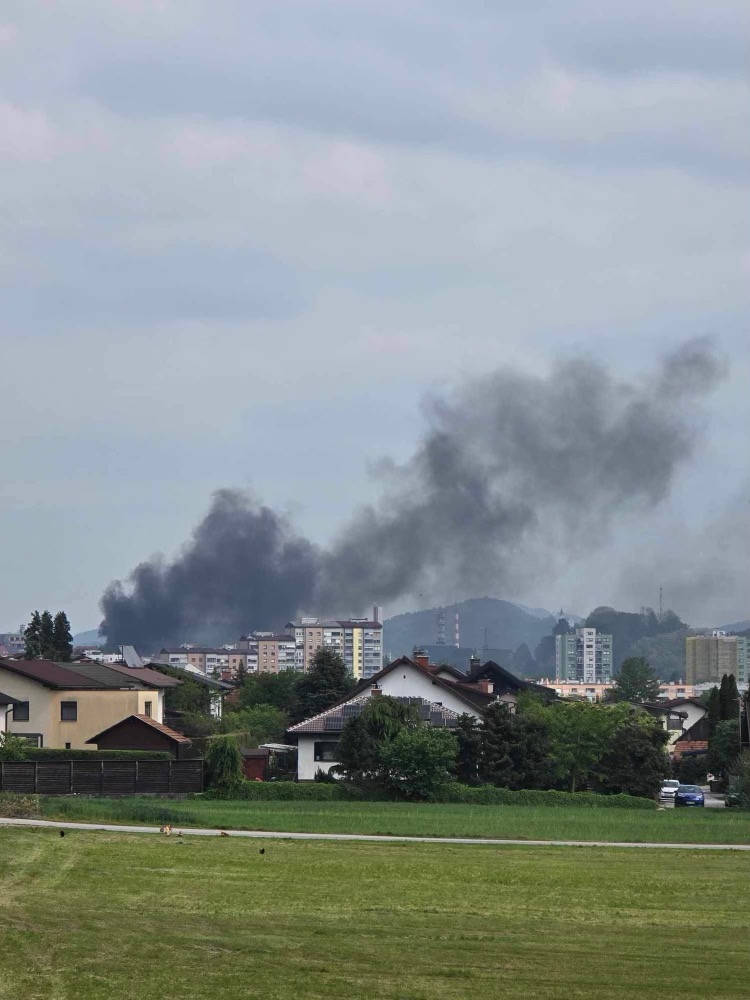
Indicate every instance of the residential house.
{"type": "Point", "coordinates": [64, 704]}
{"type": "Point", "coordinates": [6, 707]}
{"type": "Point", "coordinates": [215, 688]}
{"type": "Point", "coordinates": [441, 692]}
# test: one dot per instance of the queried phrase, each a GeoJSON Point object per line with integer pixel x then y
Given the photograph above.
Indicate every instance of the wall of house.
{"type": "Point", "coordinates": [96, 710]}
{"type": "Point", "coordinates": [306, 763]}
{"type": "Point", "coordinates": [406, 682]}
{"type": "Point", "coordinates": [694, 712]}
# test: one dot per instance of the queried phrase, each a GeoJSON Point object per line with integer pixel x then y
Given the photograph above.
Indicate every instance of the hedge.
{"type": "Point", "coordinates": [484, 795]}
{"type": "Point", "coordinates": [54, 753]}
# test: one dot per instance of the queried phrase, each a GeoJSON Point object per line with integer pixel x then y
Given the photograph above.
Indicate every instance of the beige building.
{"type": "Point", "coordinates": [64, 705]}
{"type": "Point", "coordinates": [708, 657]}
{"type": "Point", "coordinates": [276, 651]}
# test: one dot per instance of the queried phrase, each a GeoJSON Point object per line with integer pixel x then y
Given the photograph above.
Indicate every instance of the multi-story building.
{"type": "Point", "coordinates": [708, 657]}
{"type": "Point", "coordinates": [585, 656]}
{"type": "Point", "coordinates": [276, 651]}
{"type": "Point", "coordinates": [358, 641]}
{"type": "Point", "coordinates": [204, 660]}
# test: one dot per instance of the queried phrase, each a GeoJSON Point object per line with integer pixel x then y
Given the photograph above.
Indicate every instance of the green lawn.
{"type": "Point", "coordinates": [694, 826]}
{"type": "Point", "coordinates": [98, 916]}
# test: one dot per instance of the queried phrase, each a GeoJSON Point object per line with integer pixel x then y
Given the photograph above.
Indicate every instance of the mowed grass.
{"type": "Point", "coordinates": [690, 826]}
{"type": "Point", "coordinates": [100, 916]}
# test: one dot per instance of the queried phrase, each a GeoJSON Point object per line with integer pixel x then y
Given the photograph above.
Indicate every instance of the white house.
{"type": "Point", "coordinates": [441, 693]}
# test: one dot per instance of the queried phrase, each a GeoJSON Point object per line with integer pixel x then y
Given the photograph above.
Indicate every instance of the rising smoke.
{"type": "Point", "coordinates": [515, 476]}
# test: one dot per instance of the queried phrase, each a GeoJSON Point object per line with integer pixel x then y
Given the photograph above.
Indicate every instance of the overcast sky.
{"type": "Point", "coordinates": [242, 239]}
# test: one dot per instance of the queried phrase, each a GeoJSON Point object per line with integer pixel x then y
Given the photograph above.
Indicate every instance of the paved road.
{"type": "Point", "coordinates": [282, 835]}
{"type": "Point", "coordinates": [711, 801]}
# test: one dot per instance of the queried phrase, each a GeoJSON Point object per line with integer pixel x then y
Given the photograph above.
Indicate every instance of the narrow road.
{"type": "Point", "coordinates": [285, 835]}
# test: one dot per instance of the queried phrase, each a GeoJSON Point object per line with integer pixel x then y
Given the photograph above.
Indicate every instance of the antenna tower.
{"type": "Point", "coordinates": [456, 634]}
{"type": "Point", "coordinates": [440, 635]}
{"type": "Point", "coordinates": [661, 603]}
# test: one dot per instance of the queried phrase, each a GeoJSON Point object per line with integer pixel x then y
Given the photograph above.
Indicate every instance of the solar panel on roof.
{"type": "Point", "coordinates": [352, 711]}
{"type": "Point", "coordinates": [333, 722]}
{"type": "Point", "coordinates": [424, 711]}
{"type": "Point", "coordinates": [437, 719]}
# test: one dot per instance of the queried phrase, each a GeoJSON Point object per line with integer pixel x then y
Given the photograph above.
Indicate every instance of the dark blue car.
{"type": "Point", "coordinates": [688, 795]}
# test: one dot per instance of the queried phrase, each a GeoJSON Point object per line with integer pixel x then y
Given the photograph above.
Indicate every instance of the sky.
{"type": "Point", "coordinates": [243, 241]}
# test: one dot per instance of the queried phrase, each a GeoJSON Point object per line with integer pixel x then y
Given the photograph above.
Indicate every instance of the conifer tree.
{"type": "Point", "coordinates": [62, 640]}
{"type": "Point", "coordinates": [32, 637]}
{"type": "Point", "coordinates": [46, 636]}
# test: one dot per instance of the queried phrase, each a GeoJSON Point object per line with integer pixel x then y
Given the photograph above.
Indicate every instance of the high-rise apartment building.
{"type": "Point", "coordinates": [708, 657]}
{"type": "Point", "coordinates": [358, 641]}
{"type": "Point", "coordinates": [584, 655]}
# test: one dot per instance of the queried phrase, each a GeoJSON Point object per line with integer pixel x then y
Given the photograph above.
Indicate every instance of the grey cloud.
{"type": "Point", "coordinates": [80, 280]}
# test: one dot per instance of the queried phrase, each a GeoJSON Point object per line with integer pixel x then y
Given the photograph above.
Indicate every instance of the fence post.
{"type": "Point", "coordinates": [169, 777]}
{"type": "Point", "coordinates": [70, 786]}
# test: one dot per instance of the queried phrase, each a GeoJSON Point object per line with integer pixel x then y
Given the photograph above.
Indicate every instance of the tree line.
{"type": "Point", "coordinates": [48, 638]}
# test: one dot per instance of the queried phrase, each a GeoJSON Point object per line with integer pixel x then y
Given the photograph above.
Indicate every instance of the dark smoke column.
{"type": "Point", "coordinates": [514, 475]}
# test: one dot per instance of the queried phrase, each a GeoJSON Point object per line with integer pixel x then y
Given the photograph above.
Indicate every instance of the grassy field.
{"type": "Point", "coordinates": [692, 826]}
{"type": "Point", "coordinates": [97, 916]}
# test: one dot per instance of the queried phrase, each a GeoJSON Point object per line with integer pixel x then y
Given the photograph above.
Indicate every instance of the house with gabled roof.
{"type": "Point", "coordinates": [441, 693]}
{"type": "Point", "coordinates": [64, 704]}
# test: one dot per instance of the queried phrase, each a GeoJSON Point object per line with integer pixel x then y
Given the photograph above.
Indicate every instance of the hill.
{"type": "Point", "coordinates": [89, 638]}
{"type": "Point", "coordinates": [484, 621]}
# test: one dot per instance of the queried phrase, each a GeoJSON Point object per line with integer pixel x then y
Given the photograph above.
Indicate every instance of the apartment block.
{"type": "Point", "coordinates": [358, 641]}
{"type": "Point", "coordinates": [275, 651]}
{"type": "Point", "coordinates": [206, 661]}
{"type": "Point", "coordinates": [708, 657]}
{"type": "Point", "coordinates": [584, 656]}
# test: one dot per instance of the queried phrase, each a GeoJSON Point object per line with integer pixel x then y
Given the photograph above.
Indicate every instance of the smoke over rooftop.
{"type": "Point", "coordinates": [514, 474]}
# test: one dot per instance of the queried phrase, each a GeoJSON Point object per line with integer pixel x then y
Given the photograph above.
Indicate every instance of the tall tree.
{"type": "Point", "coordinates": [724, 747]}
{"type": "Point", "coordinates": [419, 761]}
{"type": "Point", "coordinates": [62, 638]}
{"type": "Point", "coordinates": [326, 682]}
{"type": "Point", "coordinates": [729, 698]}
{"type": "Point", "coordinates": [713, 710]}
{"type": "Point", "coordinates": [469, 735]}
{"type": "Point", "coordinates": [636, 681]}
{"type": "Point", "coordinates": [363, 737]}
{"type": "Point", "coordinates": [278, 689]}
{"type": "Point", "coordinates": [636, 762]}
{"type": "Point", "coordinates": [515, 748]}
{"type": "Point", "coordinates": [579, 735]}
{"type": "Point", "coordinates": [32, 638]}
{"type": "Point", "coordinates": [46, 636]}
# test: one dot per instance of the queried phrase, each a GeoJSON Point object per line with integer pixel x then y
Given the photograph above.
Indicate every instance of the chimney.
{"type": "Point", "coordinates": [375, 690]}
{"type": "Point", "coordinates": [421, 657]}
{"type": "Point", "coordinates": [377, 614]}
{"type": "Point", "coordinates": [474, 663]}
{"type": "Point", "coordinates": [485, 685]}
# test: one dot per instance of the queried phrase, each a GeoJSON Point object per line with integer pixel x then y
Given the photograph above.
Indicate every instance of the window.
{"type": "Point", "coordinates": [21, 712]}
{"type": "Point", "coordinates": [68, 711]}
{"type": "Point", "coordinates": [147, 708]}
{"type": "Point", "coordinates": [67, 746]}
{"type": "Point", "coordinates": [326, 752]}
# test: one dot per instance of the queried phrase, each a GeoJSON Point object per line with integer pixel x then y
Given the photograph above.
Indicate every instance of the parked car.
{"type": "Point", "coordinates": [669, 788]}
{"type": "Point", "coordinates": [689, 795]}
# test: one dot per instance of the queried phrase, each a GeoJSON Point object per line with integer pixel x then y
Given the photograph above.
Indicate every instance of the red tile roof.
{"type": "Point", "coordinates": [688, 746]}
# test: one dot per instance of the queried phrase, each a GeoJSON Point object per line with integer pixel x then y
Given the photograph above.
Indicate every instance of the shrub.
{"type": "Point", "coordinates": [224, 764]}
{"type": "Point", "coordinates": [484, 795]}
{"type": "Point", "coordinates": [14, 806]}
{"type": "Point", "coordinates": [419, 761]}
{"type": "Point", "coordinates": [53, 753]}
{"type": "Point", "coordinates": [324, 777]}
{"type": "Point", "coordinates": [12, 747]}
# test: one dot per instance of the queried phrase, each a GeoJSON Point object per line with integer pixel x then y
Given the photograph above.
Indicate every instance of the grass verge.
{"type": "Point", "coordinates": [692, 826]}
{"type": "Point", "coordinates": [94, 916]}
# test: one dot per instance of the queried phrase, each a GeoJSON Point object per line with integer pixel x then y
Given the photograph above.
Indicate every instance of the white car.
{"type": "Point", "coordinates": [669, 789]}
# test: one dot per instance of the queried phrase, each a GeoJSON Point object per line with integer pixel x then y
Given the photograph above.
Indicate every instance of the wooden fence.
{"type": "Point", "coordinates": [101, 777]}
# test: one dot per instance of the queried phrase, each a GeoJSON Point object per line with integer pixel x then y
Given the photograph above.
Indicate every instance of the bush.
{"type": "Point", "coordinates": [324, 777]}
{"type": "Point", "coordinates": [224, 764]}
{"type": "Point", "coordinates": [484, 795]}
{"type": "Point", "coordinates": [692, 769]}
{"type": "Point", "coordinates": [13, 806]}
{"type": "Point", "coordinates": [53, 753]}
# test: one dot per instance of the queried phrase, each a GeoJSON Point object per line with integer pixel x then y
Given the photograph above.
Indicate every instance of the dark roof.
{"type": "Point", "coordinates": [672, 702]}
{"type": "Point", "coordinates": [189, 675]}
{"type": "Point", "coordinates": [104, 674]}
{"type": "Point", "coordinates": [5, 699]}
{"type": "Point", "coordinates": [146, 721]}
{"type": "Point", "coordinates": [146, 675]}
{"type": "Point", "coordinates": [57, 676]}
{"type": "Point", "coordinates": [260, 752]}
{"type": "Point", "coordinates": [334, 719]}
{"type": "Point", "coordinates": [500, 675]}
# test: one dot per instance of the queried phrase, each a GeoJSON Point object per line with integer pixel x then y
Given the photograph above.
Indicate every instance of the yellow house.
{"type": "Point", "coordinates": [65, 704]}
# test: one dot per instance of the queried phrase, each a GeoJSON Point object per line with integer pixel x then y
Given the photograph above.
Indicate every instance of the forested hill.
{"type": "Point", "coordinates": [507, 627]}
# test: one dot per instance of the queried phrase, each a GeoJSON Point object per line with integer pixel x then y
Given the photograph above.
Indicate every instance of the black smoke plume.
{"type": "Point", "coordinates": [516, 475]}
